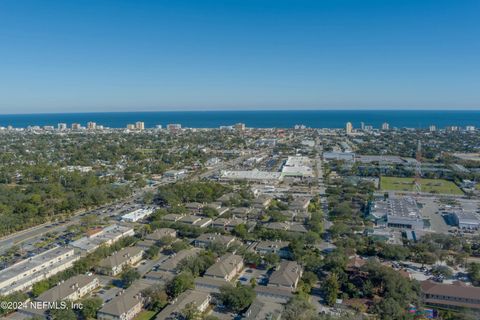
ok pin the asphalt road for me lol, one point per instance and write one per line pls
(32, 235)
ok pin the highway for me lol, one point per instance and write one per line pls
(29, 237)
(34, 234)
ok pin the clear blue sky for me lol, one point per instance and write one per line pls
(99, 55)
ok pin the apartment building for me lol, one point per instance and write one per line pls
(22, 275)
(115, 264)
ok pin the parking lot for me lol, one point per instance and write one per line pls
(260, 276)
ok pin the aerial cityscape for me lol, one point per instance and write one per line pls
(227, 160)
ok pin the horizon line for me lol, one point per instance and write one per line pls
(259, 109)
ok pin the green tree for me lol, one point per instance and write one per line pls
(179, 284)
(271, 259)
(152, 252)
(62, 314)
(129, 276)
(90, 306)
(191, 312)
(236, 298)
(155, 298)
(298, 308)
(332, 288)
(40, 287)
(474, 272)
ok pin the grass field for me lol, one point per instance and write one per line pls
(428, 185)
(145, 315)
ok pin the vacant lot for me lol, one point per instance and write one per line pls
(428, 185)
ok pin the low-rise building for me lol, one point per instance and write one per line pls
(200, 300)
(196, 221)
(116, 263)
(300, 204)
(125, 306)
(466, 220)
(171, 264)
(264, 177)
(226, 268)
(72, 289)
(262, 309)
(280, 248)
(106, 236)
(207, 239)
(450, 296)
(286, 276)
(161, 233)
(297, 166)
(137, 215)
(286, 226)
(22, 275)
(175, 174)
(403, 213)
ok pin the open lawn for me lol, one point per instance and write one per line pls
(145, 315)
(428, 185)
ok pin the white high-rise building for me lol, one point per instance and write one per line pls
(432, 128)
(349, 128)
(385, 126)
(62, 126)
(91, 125)
(140, 125)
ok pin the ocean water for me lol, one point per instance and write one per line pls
(256, 119)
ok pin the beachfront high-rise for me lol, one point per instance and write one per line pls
(91, 125)
(140, 125)
(349, 128)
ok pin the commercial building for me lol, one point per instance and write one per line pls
(263, 177)
(466, 220)
(106, 236)
(22, 275)
(297, 167)
(137, 215)
(344, 156)
(401, 213)
(450, 296)
(116, 263)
